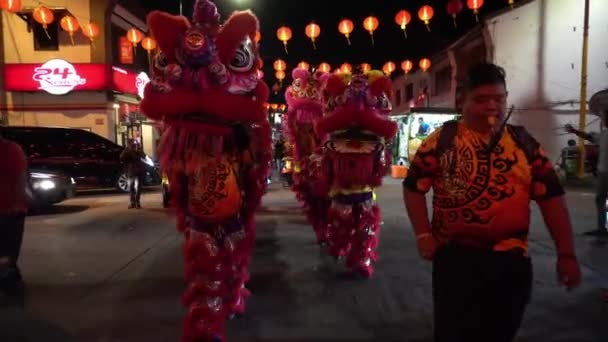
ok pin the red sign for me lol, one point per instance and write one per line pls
(56, 77)
(128, 82)
(59, 77)
(125, 49)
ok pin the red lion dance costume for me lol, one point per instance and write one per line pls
(215, 151)
(305, 106)
(355, 162)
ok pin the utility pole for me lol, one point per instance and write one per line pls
(582, 122)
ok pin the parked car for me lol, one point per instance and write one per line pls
(46, 188)
(93, 161)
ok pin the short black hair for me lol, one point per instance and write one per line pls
(483, 74)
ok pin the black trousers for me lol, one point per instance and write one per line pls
(11, 236)
(136, 182)
(479, 295)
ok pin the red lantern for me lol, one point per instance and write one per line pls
(70, 25)
(279, 65)
(475, 5)
(346, 68)
(91, 31)
(388, 68)
(258, 37)
(11, 6)
(403, 18)
(425, 64)
(149, 44)
(284, 35)
(366, 67)
(425, 13)
(324, 67)
(371, 24)
(453, 8)
(512, 3)
(44, 17)
(303, 65)
(312, 31)
(407, 66)
(346, 28)
(280, 75)
(134, 36)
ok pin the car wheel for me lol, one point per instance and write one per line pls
(122, 183)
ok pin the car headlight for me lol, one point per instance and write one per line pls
(44, 184)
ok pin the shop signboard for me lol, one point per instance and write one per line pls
(125, 48)
(60, 77)
(128, 82)
(55, 76)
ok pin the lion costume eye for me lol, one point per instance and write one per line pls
(243, 58)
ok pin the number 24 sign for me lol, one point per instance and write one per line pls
(57, 77)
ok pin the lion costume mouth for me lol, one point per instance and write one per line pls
(358, 104)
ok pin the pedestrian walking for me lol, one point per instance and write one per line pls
(601, 139)
(133, 159)
(13, 209)
(483, 174)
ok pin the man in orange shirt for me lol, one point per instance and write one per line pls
(13, 207)
(483, 174)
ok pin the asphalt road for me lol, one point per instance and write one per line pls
(98, 272)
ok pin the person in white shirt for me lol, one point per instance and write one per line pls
(601, 139)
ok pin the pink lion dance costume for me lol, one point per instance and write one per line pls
(305, 106)
(215, 150)
(355, 162)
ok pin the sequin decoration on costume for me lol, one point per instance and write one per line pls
(214, 192)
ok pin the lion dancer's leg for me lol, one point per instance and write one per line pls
(317, 212)
(364, 239)
(240, 246)
(206, 269)
(339, 228)
(216, 261)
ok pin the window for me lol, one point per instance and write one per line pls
(398, 97)
(46, 40)
(409, 92)
(443, 81)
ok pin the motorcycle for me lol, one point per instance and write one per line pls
(567, 164)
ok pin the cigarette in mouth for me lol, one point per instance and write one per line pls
(492, 120)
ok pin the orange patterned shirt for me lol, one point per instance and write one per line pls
(477, 196)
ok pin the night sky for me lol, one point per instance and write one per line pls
(332, 47)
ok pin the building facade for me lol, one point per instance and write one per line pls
(539, 44)
(50, 79)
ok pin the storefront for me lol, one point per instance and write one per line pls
(88, 96)
(415, 126)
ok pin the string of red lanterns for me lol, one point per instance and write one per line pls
(45, 16)
(371, 23)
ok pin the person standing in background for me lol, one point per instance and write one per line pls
(601, 195)
(133, 157)
(13, 209)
